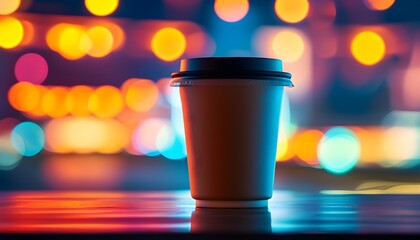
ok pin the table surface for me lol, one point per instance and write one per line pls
(174, 212)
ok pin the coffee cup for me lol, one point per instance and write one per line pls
(231, 109)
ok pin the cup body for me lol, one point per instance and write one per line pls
(231, 134)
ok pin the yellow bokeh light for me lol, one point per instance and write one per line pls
(106, 102)
(292, 11)
(399, 144)
(101, 7)
(54, 33)
(85, 135)
(368, 48)
(288, 46)
(141, 95)
(11, 32)
(77, 101)
(53, 102)
(73, 42)
(8, 6)
(379, 5)
(102, 41)
(24, 96)
(307, 145)
(168, 44)
(285, 147)
(231, 10)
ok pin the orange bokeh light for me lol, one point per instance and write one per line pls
(169, 44)
(77, 101)
(231, 10)
(369, 137)
(307, 144)
(106, 102)
(24, 96)
(29, 31)
(379, 5)
(292, 11)
(38, 112)
(141, 95)
(53, 102)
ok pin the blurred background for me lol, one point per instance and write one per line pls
(85, 101)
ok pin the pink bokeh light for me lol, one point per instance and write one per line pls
(31, 67)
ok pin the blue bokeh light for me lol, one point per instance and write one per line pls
(339, 150)
(28, 138)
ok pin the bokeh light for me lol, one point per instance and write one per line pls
(73, 42)
(168, 44)
(9, 157)
(165, 89)
(368, 137)
(379, 5)
(106, 102)
(231, 10)
(292, 11)
(102, 41)
(38, 112)
(54, 34)
(29, 33)
(118, 34)
(8, 6)
(53, 102)
(339, 150)
(282, 146)
(31, 67)
(307, 144)
(77, 101)
(177, 118)
(28, 138)
(145, 135)
(141, 95)
(288, 46)
(169, 144)
(101, 7)
(398, 145)
(368, 48)
(11, 31)
(24, 96)
(85, 135)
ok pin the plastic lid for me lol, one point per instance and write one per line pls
(231, 68)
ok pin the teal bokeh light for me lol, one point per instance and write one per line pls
(28, 139)
(339, 150)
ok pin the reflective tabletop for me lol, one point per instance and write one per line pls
(174, 212)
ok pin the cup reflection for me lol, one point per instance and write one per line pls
(251, 220)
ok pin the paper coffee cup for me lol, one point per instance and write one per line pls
(231, 109)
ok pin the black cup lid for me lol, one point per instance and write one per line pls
(233, 68)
